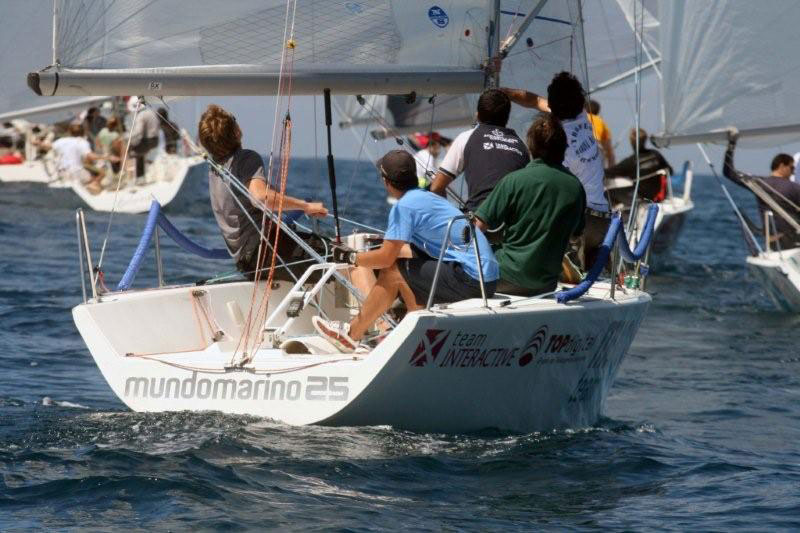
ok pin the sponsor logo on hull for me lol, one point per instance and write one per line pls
(445, 348)
(312, 388)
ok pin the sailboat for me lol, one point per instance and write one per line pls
(614, 63)
(163, 179)
(715, 78)
(516, 363)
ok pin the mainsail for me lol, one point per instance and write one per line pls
(551, 43)
(161, 47)
(23, 50)
(730, 63)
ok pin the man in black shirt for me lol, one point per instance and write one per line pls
(777, 185)
(652, 185)
(485, 153)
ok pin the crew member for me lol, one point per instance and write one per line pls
(567, 101)
(601, 132)
(408, 257)
(777, 185)
(485, 153)
(221, 136)
(540, 207)
(76, 159)
(144, 136)
(652, 186)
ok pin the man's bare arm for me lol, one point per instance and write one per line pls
(527, 99)
(440, 183)
(260, 191)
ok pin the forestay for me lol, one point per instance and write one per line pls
(729, 64)
(159, 47)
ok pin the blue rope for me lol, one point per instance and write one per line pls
(156, 218)
(614, 231)
(136, 261)
(187, 244)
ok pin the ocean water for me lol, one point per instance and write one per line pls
(701, 430)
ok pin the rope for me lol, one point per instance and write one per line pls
(116, 192)
(615, 231)
(747, 231)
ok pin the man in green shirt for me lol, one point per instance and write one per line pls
(539, 207)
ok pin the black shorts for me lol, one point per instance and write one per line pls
(453, 285)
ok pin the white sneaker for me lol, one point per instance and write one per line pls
(335, 332)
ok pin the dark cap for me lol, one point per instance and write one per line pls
(398, 167)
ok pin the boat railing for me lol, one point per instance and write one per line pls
(614, 241)
(770, 232)
(155, 220)
(469, 237)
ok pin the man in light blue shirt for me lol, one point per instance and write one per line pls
(407, 259)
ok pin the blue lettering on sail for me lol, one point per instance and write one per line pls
(438, 16)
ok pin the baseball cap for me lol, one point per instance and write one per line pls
(398, 167)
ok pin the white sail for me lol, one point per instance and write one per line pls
(730, 64)
(612, 43)
(161, 47)
(553, 42)
(26, 44)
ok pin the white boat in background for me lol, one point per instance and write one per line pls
(704, 108)
(672, 212)
(522, 364)
(164, 179)
(779, 273)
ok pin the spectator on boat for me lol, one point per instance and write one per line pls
(221, 136)
(408, 257)
(652, 185)
(144, 136)
(106, 142)
(8, 154)
(92, 124)
(601, 133)
(171, 131)
(777, 186)
(428, 157)
(540, 207)
(76, 160)
(484, 153)
(567, 101)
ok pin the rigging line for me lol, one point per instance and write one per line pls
(727, 194)
(100, 17)
(355, 169)
(633, 219)
(111, 30)
(780, 195)
(243, 339)
(532, 48)
(116, 192)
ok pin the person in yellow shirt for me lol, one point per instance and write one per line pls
(601, 133)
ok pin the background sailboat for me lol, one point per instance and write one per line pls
(725, 66)
(23, 50)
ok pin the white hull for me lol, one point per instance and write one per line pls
(163, 181)
(779, 273)
(526, 365)
(37, 171)
(671, 216)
